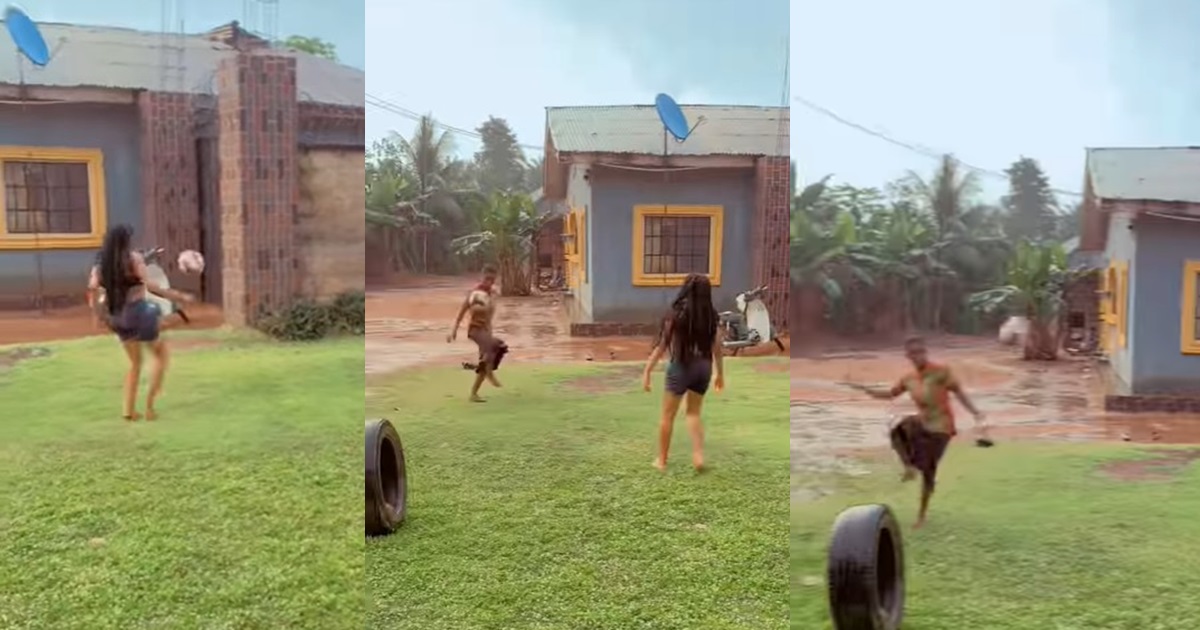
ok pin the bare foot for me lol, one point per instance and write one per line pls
(132, 416)
(919, 524)
(660, 464)
(492, 379)
(909, 474)
(476, 398)
(698, 465)
(151, 415)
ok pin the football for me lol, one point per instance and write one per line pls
(190, 261)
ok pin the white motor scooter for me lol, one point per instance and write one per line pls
(750, 325)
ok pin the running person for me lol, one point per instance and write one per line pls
(480, 303)
(121, 272)
(921, 440)
(689, 333)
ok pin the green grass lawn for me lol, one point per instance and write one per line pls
(539, 509)
(239, 508)
(1026, 537)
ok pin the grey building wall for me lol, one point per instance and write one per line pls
(615, 192)
(579, 196)
(1123, 246)
(112, 128)
(1156, 283)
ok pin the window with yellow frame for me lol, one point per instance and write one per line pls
(1189, 339)
(669, 242)
(53, 198)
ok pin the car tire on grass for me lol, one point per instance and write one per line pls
(866, 570)
(387, 478)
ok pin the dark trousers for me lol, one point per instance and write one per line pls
(491, 349)
(919, 448)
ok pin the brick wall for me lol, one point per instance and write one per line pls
(170, 208)
(771, 229)
(257, 113)
(331, 224)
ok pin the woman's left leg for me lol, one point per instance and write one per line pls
(670, 408)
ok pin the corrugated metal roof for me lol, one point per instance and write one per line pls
(109, 57)
(1145, 174)
(726, 130)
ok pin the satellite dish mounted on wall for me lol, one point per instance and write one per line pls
(26, 35)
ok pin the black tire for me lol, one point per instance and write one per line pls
(387, 479)
(866, 570)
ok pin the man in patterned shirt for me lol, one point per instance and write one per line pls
(920, 440)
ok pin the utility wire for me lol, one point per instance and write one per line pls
(388, 106)
(915, 148)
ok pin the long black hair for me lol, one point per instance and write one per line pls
(691, 326)
(115, 266)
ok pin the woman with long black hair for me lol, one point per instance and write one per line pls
(121, 272)
(689, 333)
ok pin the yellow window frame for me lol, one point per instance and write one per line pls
(94, 158)
(716, 241)
(581, 243)
(1121, 308)
(1188, 342)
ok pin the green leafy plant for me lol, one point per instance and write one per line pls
(308, 320)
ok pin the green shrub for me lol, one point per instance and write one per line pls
(308, 320)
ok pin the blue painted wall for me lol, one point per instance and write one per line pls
(112, 128)
(614, 193)
(1156, 288)
(1122, 246)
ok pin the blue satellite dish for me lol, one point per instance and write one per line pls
(26, 36)
(672, 117)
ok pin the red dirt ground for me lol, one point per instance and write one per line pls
(1061, 400)
(19, 327)
(407, 324)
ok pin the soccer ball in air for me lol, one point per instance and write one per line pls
(190, 261)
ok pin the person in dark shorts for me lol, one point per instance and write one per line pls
(480, 303)
(690, 335)
(920, 440)
(121, 272)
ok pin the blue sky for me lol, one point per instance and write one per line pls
(336, 22)
(463, 60)
(1041, 78)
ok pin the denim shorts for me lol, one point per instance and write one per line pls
(692, 376)
(137, 321)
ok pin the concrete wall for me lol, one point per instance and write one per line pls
(614, 193)
(111, 128)
(1156, 283)
(331, 226)
(1123, 246)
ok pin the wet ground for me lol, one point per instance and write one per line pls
(1023, 400)
(407, 326)
(20, 327)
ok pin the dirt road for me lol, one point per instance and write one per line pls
(1023, 401)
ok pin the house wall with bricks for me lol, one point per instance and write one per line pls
(222, 174)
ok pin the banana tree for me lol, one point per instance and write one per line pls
(1036, 281)
(508, 227)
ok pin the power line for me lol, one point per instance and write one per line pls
(915, 148)
(388, 106)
